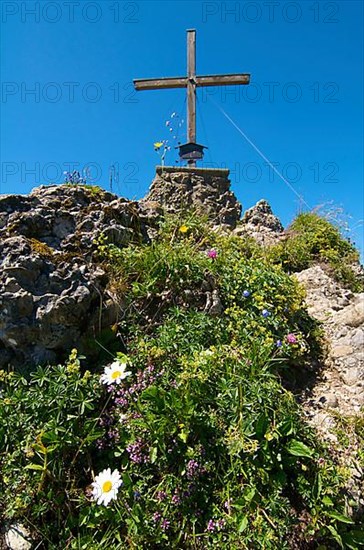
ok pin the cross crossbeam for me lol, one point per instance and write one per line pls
(191, 82)
(181, 81)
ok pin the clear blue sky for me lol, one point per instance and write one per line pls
(303, 110)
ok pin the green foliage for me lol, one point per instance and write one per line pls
(212, 450)
(313, 239)
(47, 425)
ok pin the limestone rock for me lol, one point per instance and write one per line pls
(340, 390)
(206, 190)
(325, 296)
(353, 315)
(341, 351)
(52, 295)
(17, 537)
(260, 223)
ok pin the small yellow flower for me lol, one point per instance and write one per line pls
(158, 145)
(183, 229)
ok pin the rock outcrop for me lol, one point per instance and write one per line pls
(342, 315)
(260, 223)
(338, 394)
(207, 191)
(52, 296)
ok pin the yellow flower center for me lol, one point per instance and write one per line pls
(115, 374)
(107, 486)
(183, 229)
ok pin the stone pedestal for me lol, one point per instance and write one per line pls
(206, 190)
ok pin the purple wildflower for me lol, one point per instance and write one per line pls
(227, 505)
(279, 343)
(246, 293)
(266, 313)
(215, 525)
(192, 469)
(157, 516)
(176, 499)
(161, 495)
(211, 526)
(165, 524)
(138, 452)
(212, 253)
(291, 338)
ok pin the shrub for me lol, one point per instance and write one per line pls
(312, 238)
(47, 425)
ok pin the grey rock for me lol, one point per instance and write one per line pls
(261, 224)
(17, 537)
(357, 339)
(353, 315)
(341, 351)
(261, 215)
(331, 400)
(352, 376)
(52, 295)
(216, 305)
(205, 190)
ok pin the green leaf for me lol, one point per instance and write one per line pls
(127, 481)
(317, 487)
(339, 517)
(327, 501)
(261, 426)
(297, 448)
(335, 535)
(354, 539)
(249, 494)
(285, 427)
(183, 435)
(34, 467)
(153, 454)
(242, 524)
(153, 393)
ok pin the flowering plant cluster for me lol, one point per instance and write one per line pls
(187, 439)
(74, 178)
(173, 126)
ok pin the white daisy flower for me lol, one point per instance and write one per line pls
(105, 487)
(114, 373)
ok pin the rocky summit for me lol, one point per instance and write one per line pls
(53, 293)
(260, 223)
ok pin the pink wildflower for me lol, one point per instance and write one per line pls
(212, 253)
(291, 338)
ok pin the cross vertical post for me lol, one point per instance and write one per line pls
(191, 86)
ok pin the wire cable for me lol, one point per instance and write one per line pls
(261, 154)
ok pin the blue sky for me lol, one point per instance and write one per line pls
(67, 97)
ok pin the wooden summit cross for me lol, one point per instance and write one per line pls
(191, 151)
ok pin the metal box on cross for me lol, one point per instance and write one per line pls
(191, 151)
